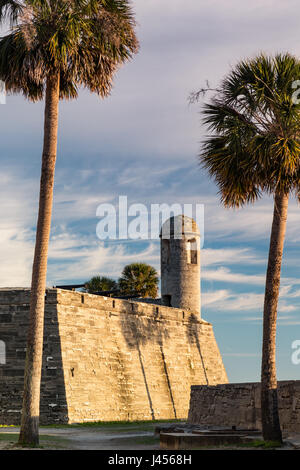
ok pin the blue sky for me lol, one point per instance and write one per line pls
(143, 142)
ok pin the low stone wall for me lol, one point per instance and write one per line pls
(106, 359)
(239, 405)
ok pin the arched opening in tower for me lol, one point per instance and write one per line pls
(192, 251)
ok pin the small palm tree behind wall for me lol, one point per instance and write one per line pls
(100, 284)
(139, 279)
(53, 48)
(254, 148)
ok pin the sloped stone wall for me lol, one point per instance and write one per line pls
(107, 359)
(14, 311)
(239, 405)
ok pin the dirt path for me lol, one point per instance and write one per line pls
(90, 438)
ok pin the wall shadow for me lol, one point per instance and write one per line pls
(13, 331)
(168, 381)
(138, 331)
(193, 333)
(54, 406)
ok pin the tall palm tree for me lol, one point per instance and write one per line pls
(254, 147)
(53, 48)
(139, 279)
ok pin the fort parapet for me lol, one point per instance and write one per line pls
(106, 359)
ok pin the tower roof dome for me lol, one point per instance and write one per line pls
(179, 226)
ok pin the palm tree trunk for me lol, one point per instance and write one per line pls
(269, 399)
(29, 433)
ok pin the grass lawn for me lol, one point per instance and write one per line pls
(9, 440)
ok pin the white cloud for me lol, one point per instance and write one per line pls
(215, 297)
(282, 320)
(72, 255)
(16, 254)
(79, 258)
(226, 275)
(252, 222)
(230, 256)
(228, 301)
(291, 295)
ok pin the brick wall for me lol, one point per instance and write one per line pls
(107, 359)
(239, 405)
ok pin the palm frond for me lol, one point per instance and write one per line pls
(254, 125)
(84, 40)
(10, 10)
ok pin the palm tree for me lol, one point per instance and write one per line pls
(139, 279)
(100, 283)
(53, 48)
(254, 148)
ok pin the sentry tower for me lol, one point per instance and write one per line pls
(180, 264)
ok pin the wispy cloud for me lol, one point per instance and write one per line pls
(230, 256)
(80, 258)
(226, 275)
(229, 301)
(282, 320)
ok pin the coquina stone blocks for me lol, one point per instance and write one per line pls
(107, 359)
(239, 405)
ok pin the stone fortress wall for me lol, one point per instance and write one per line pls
(239, 405)
(106, 359)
